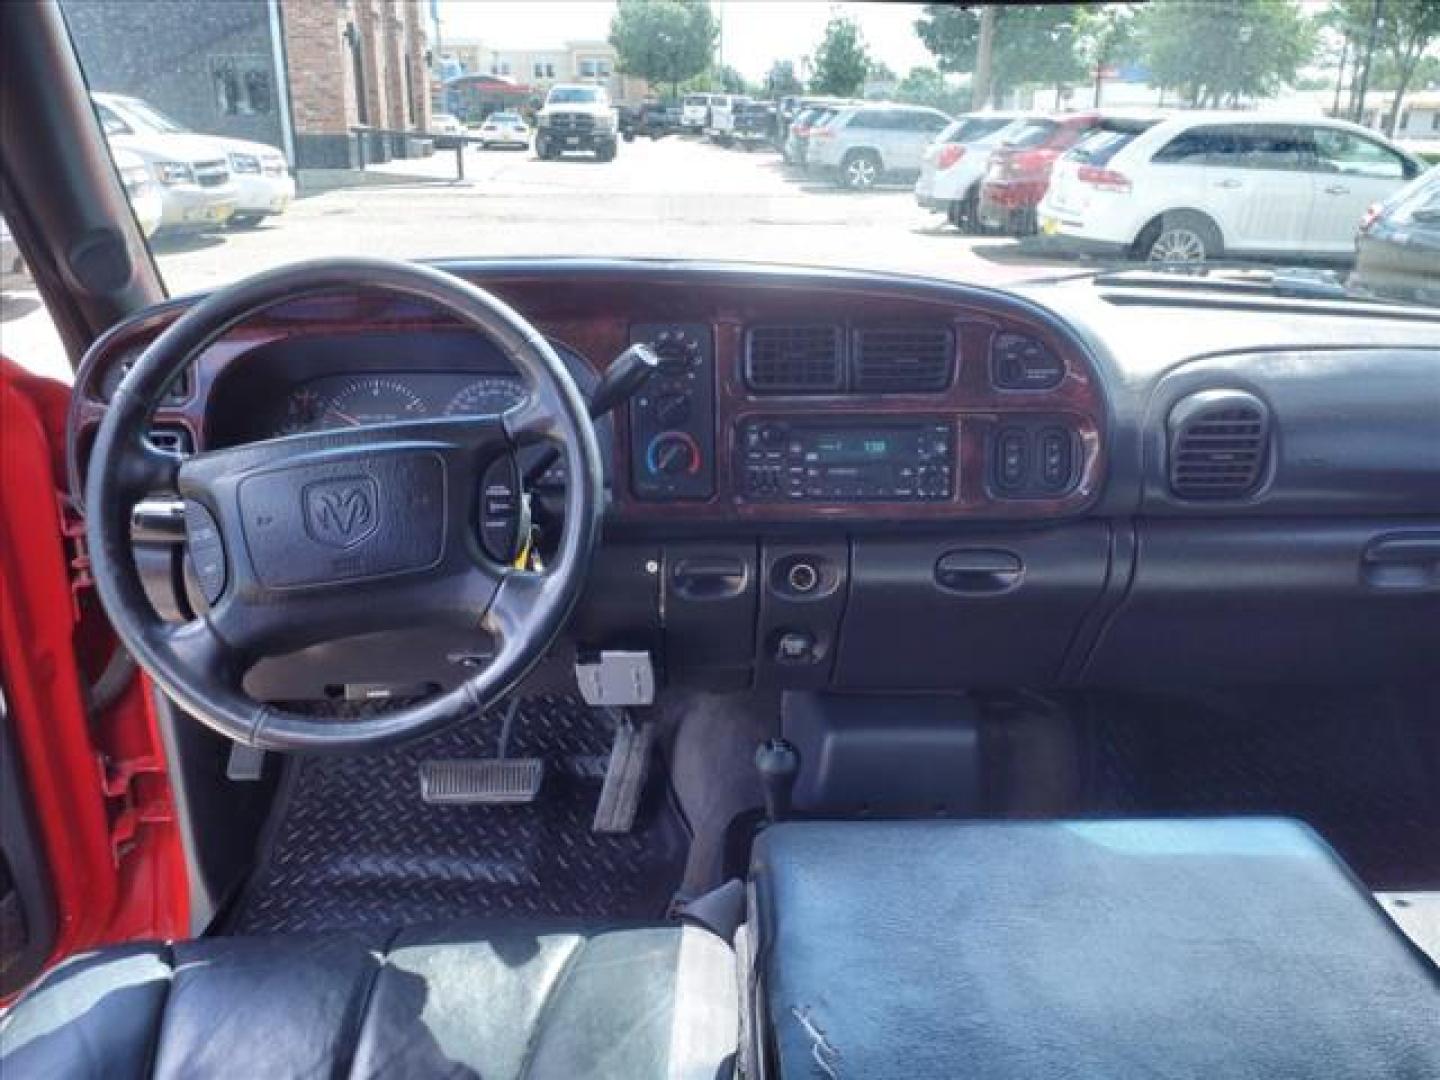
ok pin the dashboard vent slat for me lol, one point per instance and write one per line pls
(799, 359)
(902, 359)
(1218, 444)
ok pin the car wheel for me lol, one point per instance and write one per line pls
(860, 171)
(542, 149)
(606, 152)
(1179, 238)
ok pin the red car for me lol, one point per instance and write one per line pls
(1019, 171)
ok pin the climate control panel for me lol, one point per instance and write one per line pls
(672, 418)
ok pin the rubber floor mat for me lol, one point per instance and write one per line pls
(1354, 765)
(354, 845)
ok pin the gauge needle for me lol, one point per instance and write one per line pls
(344, 416)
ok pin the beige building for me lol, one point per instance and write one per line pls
(542, 68)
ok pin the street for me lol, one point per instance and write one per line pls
(674, 197)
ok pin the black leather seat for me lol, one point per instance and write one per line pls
(462, 1001)
(1116, 950)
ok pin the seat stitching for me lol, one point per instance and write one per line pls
(168, 951)
(532, 1044)
(347, 1068)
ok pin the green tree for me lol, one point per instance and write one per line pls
(730, 81)
(926, 86)
(664, 41)
(1105, 36)
(841, 61)
(1034, 43)
(1217, 52)
(1404, 37)
(781, 80)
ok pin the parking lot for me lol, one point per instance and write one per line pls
(673, 197)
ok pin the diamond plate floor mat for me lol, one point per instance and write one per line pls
(353, 845)
(1354, 765)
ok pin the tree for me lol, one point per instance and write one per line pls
(730, 81)
(841, 61)
(1105, 36)
(926, 86)
(1403, 35)
(664, 41)
(1033, 43)
(1216, 52)
(781, 81)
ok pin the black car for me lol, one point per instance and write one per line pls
(1397, 252)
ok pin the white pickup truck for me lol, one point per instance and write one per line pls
(577, 118)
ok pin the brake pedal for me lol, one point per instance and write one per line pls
(625, 776)
(481, 781)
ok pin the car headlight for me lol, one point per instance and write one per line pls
(172, 172)
(244, 163)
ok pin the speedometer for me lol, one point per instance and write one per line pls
(372, 400)
(487, 395)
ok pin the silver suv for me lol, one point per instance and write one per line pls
(864, 144)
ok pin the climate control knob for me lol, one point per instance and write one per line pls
(672, 453)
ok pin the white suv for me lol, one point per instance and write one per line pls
(862, 145)
(1196, 186)
(954, 164)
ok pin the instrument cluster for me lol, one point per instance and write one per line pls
(338, 401)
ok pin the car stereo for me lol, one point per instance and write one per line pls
(852, 460)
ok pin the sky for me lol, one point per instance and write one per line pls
(755, 32)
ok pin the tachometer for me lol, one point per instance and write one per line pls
(372, 400)
(489, 394)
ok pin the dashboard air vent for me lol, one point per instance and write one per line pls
(172, 438)
(793, 359)
(1218, 440)
(902, 359)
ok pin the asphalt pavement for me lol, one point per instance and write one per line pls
(672, 198)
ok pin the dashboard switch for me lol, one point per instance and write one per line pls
(503, 518)
(206, 550)
(1055, 459)
(1013, 462)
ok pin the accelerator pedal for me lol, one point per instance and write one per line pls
(496, 781)
(625, 774)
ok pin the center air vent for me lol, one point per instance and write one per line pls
(1218, 440)
(172, 438)
(902, 359)
(793, 359)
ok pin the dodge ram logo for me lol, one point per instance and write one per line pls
(341, 513)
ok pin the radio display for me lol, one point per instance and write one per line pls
(845, 448)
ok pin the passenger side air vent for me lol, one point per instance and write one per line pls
(793, 359)
(1218, 440)
(172, 438)
(902, 359)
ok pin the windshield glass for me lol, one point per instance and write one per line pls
(149, 117)
(565, 95)
(1193, 148)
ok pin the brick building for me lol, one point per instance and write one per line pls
(298, 74)
(579, 61)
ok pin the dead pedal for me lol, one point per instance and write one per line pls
(481, 781)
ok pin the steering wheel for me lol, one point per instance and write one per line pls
(315, 536)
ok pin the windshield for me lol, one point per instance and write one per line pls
(568, 95)
(147, 116)
(1193, 148)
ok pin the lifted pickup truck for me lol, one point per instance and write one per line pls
(576, 118)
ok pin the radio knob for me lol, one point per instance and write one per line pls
(671, 453)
